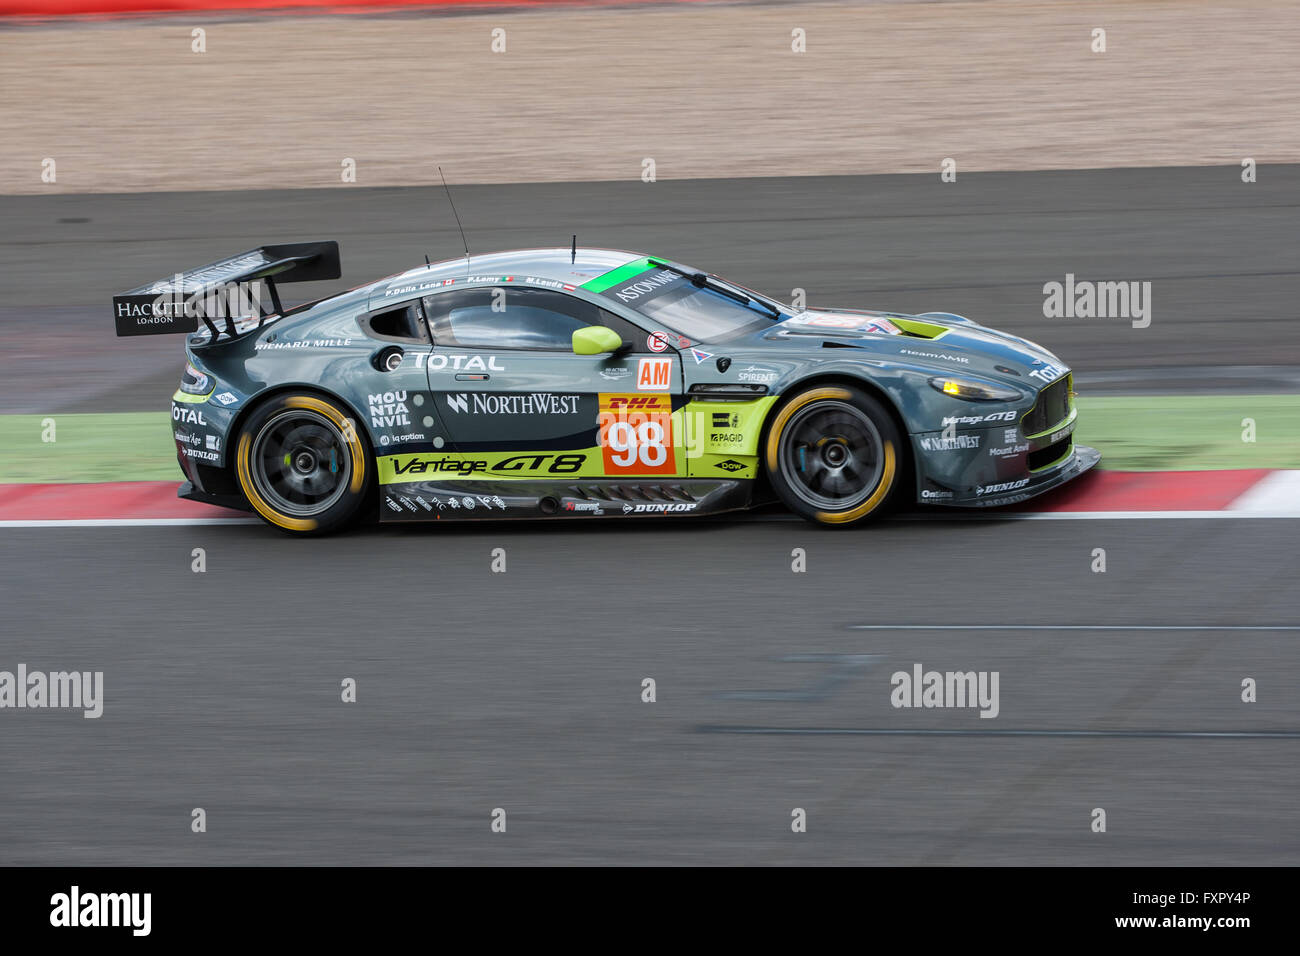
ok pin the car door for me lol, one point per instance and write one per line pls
(516, 401)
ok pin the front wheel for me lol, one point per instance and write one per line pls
(832, 455)
(302, 465)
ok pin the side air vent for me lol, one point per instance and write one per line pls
(632, 493)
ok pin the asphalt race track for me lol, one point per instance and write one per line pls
(522, 690)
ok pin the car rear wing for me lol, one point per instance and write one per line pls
(224, 291)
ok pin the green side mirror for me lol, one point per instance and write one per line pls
(595, 339)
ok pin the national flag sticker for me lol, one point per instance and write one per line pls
(700, 356)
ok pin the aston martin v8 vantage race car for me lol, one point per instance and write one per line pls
(585, 383)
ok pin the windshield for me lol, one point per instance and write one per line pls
(673, 300)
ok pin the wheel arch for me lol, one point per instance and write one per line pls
(837, 378)
(261, 398)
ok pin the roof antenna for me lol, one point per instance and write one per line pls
(573, 250)
(427, 262)
(457, 215)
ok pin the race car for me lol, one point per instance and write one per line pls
(587, 383)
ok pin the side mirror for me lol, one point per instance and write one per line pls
(596, 339)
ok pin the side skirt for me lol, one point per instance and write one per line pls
(445, 500)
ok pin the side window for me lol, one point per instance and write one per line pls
(522, 319)
(404, 323)
(507, 317)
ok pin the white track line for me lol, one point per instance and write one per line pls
(1096, 515)
(1074, 627)
(948, 516)
(936, 732)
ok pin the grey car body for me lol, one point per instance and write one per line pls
(473, 417)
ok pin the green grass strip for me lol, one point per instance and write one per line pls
(123, 446)
(1191, 432)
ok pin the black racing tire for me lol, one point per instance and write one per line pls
(834, 455)
(303, 464)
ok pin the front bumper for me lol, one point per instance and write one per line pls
(1013, 492)
(1003, 462)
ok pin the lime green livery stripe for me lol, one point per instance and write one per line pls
(615, 276)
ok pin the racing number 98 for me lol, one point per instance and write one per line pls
(630, 443)
(636, 435)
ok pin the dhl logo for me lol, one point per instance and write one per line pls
(635, 403)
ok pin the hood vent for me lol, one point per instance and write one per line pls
(917, 329)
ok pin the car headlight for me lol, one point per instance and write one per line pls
(194, 382)
(974, 391)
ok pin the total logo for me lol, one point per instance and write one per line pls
(190, 416)
(1048, 373)
(442, 361)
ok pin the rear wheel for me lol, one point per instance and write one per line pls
(832, 454)
(302, 465)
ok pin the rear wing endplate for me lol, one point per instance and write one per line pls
(221, 292)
